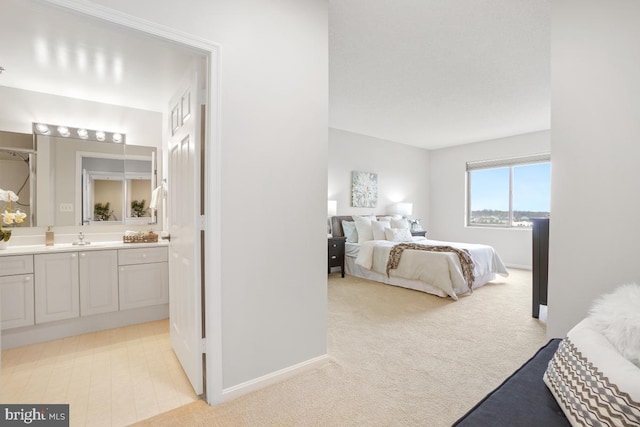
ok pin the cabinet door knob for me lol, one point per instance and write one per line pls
(333, 257)
(27, 278)
(73, 255)
(144, 255)
(83, 254)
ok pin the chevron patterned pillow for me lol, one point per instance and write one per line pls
(593, 383)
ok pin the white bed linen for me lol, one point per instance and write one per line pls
(439, 270)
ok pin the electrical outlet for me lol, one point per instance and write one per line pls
(66, 207)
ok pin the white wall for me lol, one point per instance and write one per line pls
(595, 201)
(403, 174)
(19, 108)
(274, 120)
(447, 175)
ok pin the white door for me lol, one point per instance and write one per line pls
(185, 297)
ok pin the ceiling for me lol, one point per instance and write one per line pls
(51, 50)
(436, 73)
(429, 73)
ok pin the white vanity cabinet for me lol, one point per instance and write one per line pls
(57, 294)
(16, 291)
(98, 273)
(143, 277)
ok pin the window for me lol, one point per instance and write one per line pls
(508, 192)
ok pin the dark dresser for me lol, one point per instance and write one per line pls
(336, 253)
(540, 273)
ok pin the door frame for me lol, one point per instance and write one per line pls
(212, 179)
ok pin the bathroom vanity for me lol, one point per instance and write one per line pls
(51, 292)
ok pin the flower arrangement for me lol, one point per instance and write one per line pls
(102, 211)
(137, 208)
(9, 217)
(415, 225)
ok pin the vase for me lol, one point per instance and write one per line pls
(4, 244)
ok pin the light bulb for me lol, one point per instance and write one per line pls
(42, 128)
(63, 131)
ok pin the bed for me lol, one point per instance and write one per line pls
(437, 273)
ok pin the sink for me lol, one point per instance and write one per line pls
(81, 243)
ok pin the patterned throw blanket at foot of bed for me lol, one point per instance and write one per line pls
(463, 256)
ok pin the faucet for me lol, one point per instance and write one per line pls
(80, 241)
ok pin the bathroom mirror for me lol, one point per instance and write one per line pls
(74, 182)
(17, 173)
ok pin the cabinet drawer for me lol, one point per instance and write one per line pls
(336, 247)
(16, 264)
(142, 256)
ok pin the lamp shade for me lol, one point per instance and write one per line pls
(404, 208)
(332, 207)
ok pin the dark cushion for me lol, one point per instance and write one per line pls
(521, 400)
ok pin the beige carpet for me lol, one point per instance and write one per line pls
(398, 358)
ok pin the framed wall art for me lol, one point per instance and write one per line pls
(364, 189)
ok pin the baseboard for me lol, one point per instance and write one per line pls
(272, 378)
(26, 335)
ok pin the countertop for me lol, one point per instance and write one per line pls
(68, 247)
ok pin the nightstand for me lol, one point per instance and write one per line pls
(422, 233)
(336, 253)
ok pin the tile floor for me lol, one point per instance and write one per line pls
(109, 378)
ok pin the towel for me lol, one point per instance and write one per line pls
(156, 196)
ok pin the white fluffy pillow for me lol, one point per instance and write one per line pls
(349, 230)
(389, 217)
(399, 223)
(617, 317)
(398, 234)
(363, 227)
(377, 227)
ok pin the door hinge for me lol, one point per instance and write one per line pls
(202, 223)
(203, 345)
(202, 96)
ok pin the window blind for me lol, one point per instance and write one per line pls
(511, 161)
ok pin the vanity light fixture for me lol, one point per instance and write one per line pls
(42, 128)
(82, 133)
(63, 131)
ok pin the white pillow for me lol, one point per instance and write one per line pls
(617, 316)
(377, 227)
(398, 234)
(587, 372)
(363, 227)
(399, 223)
(389, 217)
(349, 230)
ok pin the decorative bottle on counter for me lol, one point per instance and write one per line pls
(48, 237)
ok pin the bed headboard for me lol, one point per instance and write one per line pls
(336, 223)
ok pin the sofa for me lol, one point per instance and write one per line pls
(591, 377)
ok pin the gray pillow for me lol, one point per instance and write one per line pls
(349, 229)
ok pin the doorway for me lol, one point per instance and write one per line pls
(209, 52)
